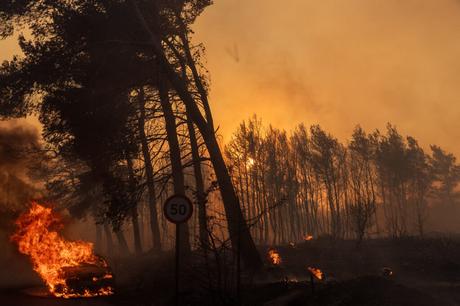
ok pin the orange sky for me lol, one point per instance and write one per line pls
(335, 62)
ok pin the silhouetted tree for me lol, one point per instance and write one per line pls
(446, 174)
(362, 182)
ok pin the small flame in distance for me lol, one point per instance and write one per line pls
(59, 262)
(308, 237)
(274, 257)
(316, 273)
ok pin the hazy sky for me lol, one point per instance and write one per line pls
(336, 63)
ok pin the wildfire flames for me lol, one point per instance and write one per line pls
(308, 237)
(69, 268)
(316, 273)
(274, 257)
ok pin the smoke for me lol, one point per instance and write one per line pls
(19, 154)
(337, 63)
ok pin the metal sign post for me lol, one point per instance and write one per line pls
(177, 209)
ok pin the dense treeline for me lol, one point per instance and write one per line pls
(122, 95)
(308, 183)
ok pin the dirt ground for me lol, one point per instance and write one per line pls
(424, 272)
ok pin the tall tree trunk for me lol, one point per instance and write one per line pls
(122, 244)
(236, 224)
(108, 236)
(154, 224)
(134, 212)
(136, 230)
(175, 157)
(199, 185)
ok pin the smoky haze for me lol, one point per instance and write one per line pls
(18, 144)
(333, 63)
(337, 63)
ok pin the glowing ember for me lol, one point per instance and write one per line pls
(316, 273)
(69, 268)
(387, 271)
(308, 237)
(274, 257)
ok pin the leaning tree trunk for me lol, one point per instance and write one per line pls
(154, 224)
(175, 156)
(199, 184)
(238, 229)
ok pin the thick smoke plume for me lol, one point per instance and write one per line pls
(19, 156)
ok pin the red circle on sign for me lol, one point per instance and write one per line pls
(181, 212)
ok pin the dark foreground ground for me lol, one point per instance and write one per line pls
(425, 272)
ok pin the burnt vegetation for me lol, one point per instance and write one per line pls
(121, 92)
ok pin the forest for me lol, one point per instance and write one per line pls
(378, 185)
(121, 92)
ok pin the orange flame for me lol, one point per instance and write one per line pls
(52, 255)
(316, 273)
(308, 237)
(274, 256)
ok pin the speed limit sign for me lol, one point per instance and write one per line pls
(178, 209)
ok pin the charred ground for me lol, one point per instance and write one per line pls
(424, 272)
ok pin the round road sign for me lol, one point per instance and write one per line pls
(178, 209)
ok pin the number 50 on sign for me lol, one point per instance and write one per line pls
(178, 209)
